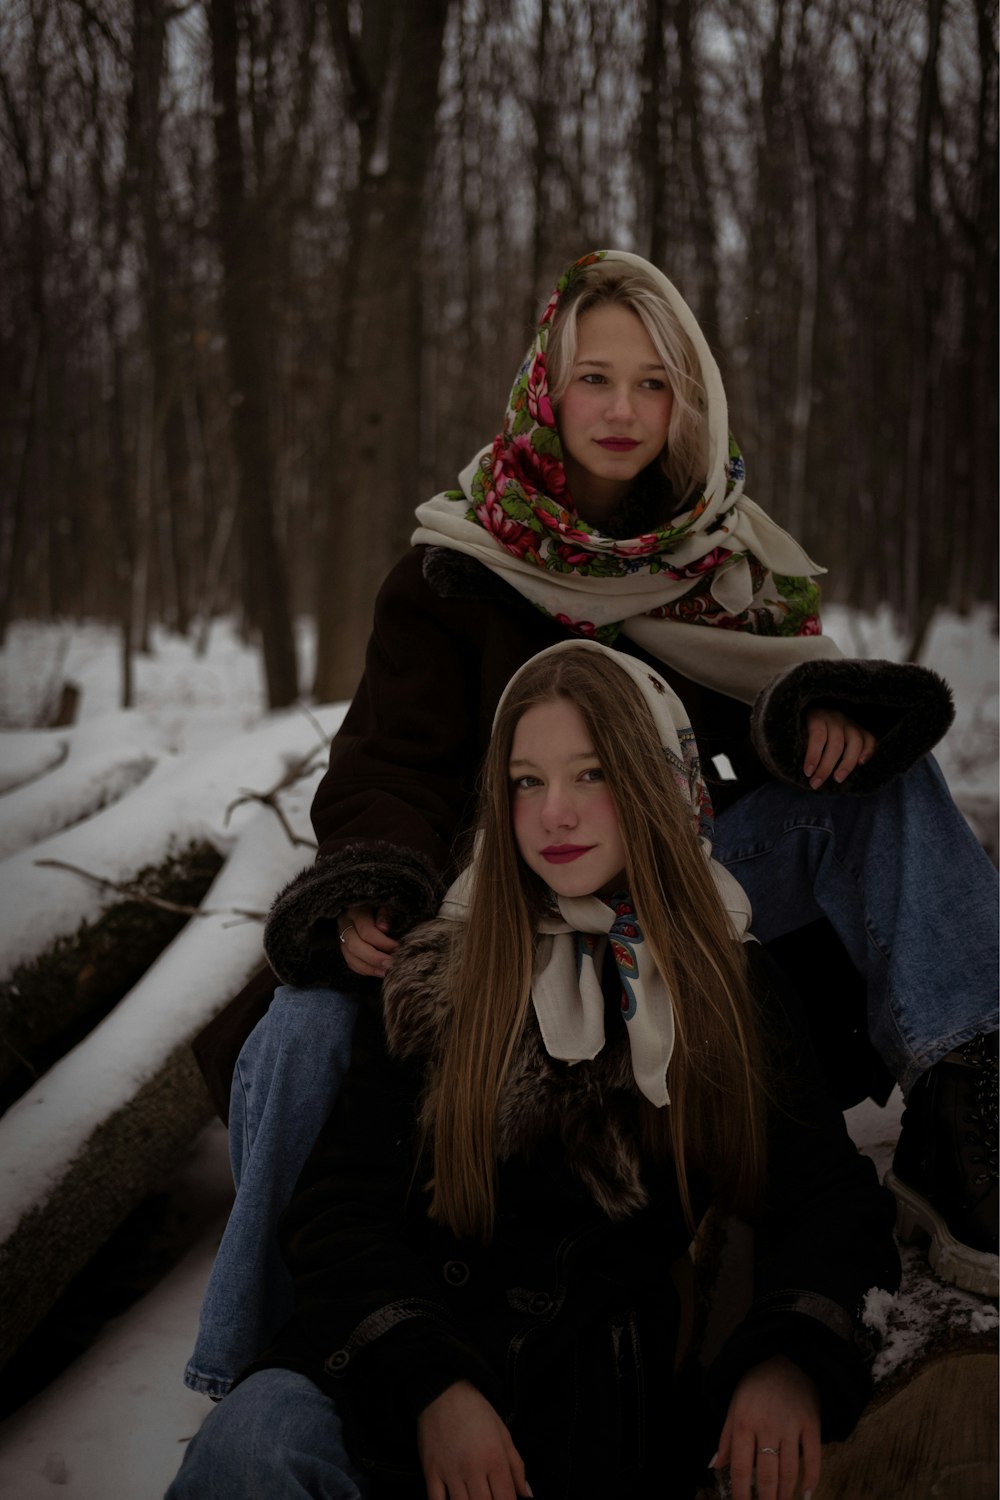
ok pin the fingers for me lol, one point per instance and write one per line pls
(767, 1470)
(466, 1450)
(835, 745)
(811, 1455)
(772, 1429)
(365, 941)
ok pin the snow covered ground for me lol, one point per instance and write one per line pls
(114, 1424)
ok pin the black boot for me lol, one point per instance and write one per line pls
(944, 1172)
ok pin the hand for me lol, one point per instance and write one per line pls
(775, 1405)
(365, 941)
(834, 741)
(466, 1451)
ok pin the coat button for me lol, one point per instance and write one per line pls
(456, 1272)
(540, 1304)
(337, 1363)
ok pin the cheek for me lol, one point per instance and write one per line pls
(569, 418)
(608, 817)
(520, 817)
(666, 413)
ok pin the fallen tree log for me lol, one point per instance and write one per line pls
(49, 1004)
(104, 1126)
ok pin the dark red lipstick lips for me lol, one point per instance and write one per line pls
(562, 854)
(617, 445)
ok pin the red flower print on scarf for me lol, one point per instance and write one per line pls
(539, 404)
(810, 626)
(512, 535)
(579, 627)
(517, 462)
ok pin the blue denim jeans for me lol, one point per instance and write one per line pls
(284, 1085)
(905, 885)
(898, 875)
(276, 1437)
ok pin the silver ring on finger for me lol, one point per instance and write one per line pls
(773, 1451)
(346, 930)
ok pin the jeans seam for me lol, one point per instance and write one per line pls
(247, 1141)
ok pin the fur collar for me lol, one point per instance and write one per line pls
(592, 1107)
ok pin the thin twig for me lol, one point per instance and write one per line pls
(297, 771)
(136, 893)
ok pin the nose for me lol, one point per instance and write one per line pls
(620, 407)
(557, 810)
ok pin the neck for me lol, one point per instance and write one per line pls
(594, 500)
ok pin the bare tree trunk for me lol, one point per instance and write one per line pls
(541, 115)
(15, 549)
(379, 361)
(802, 404)
(242, 233)
(923, 294)
(651, 230)
(704, 292)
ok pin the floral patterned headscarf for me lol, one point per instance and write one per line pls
(722, 561)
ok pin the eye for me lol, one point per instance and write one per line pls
(592, 774)
(594, 377)
(523, 783)
(652, 384)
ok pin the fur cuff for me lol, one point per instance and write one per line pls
(301, 937)
(907, 708)
(455, 575)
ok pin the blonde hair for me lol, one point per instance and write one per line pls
(684, 459)
(714, 1122)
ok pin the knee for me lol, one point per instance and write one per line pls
(275, 1435)
(291, 1065)
(222, 1460)
(301, 1023)
(316, 1010)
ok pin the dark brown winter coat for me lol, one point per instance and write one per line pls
(568, 1322)
(396, 802)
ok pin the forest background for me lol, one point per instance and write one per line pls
(269, 266)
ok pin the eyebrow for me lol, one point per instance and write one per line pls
(577, 755)
(605, 364)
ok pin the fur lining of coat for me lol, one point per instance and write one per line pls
(592, 1107)
(908, 708)
(454, 575)
(301, 935)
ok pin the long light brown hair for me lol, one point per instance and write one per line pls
(684, 459)
(714, 1121)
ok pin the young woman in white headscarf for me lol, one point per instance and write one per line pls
(611, 506)
(584, 1052)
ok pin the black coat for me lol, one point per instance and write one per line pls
(568, 1322)
(393, 809)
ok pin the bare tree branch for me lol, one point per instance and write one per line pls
(136, 893)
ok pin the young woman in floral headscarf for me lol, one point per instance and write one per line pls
(611, 506)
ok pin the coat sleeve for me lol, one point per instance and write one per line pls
(823, 1237)
(400, 785)
(907, 707)
(372, 1325)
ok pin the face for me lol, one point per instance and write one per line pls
(613, 416)
(565, 823)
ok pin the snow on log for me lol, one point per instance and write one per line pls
(109, 894)
(27, 754)
(103, 1127)
(174, 807)
(97, 764)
